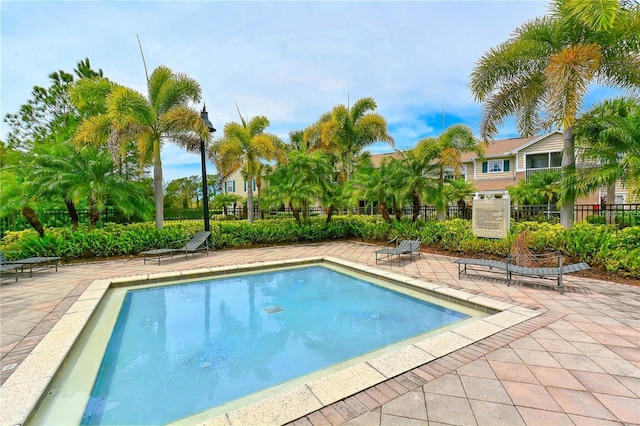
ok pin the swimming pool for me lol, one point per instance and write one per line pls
(67, 395)
(206, 343)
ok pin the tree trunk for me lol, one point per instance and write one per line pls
(398, 212)
(32, 218)
(158, 194)
(259, 187)
(568, 169)
(250, 198)
(611, 200)
(441, 206)
(384, 210)
(416, 206)
(330, 213)
(73, 213)
(296, 213)
(94, 214)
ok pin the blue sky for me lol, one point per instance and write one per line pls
(290, 61)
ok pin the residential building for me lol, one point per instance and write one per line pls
(236, 184)
(508, 161)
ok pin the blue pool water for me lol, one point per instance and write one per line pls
(181, 349)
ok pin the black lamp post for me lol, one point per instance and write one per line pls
(205, 190)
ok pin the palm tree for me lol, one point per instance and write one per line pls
(446, 151)
(459, 190)
(243, 147)
(543, 72)
(223, 200)
(418, 173)
(303, 178)
(20, 193)
(546, 184)
(608, 139)
(163, 115)
(346, 131)
(374, 184)
(88, 175)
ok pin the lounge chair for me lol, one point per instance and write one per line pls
(31, 262)
(510, 268)
(406, 247)
(199, 242)
(5, 267)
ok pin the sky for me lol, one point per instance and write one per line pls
(290, 61)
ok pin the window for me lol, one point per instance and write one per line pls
(495, 166)
(544, 161)
(230, 186)
(537, 161)
(254, 185)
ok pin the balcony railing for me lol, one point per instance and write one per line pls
(531, 172)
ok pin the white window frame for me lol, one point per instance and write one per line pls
(228, 186)
(492, 163)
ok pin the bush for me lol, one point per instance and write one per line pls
(616, 250)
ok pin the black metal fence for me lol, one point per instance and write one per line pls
(619, 214)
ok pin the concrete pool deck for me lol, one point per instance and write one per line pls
(578, 362)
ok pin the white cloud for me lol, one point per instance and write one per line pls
(290, 61)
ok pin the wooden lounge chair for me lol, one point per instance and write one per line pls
(199, 242)
(31, 262)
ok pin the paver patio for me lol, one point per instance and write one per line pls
(577, 363)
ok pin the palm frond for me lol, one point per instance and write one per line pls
(179, 90)
(361, 107)
(157, 80)
(596, 14)
(89, 94)
(127, 106)
(257, 125)
(372, 128)
(568, 76)
(94, 130)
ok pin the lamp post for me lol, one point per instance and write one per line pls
(205, 189)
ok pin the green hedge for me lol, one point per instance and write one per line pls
(616, 250)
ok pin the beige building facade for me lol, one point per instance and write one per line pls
(505, 163)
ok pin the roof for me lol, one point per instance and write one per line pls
(376, 159)
(496, 148)
(502, 147)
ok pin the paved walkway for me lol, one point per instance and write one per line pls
(577, 363)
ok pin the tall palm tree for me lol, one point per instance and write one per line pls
(163, 115)
(243, 147)
(543, 72)
(346, 131)
(608, 139)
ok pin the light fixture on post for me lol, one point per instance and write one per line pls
(204, 115)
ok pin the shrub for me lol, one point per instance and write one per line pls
(616, 250)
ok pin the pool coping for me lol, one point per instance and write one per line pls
(21, 393)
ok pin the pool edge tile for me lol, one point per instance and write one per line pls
(343, 383)
(400, 361)
(284, 407)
